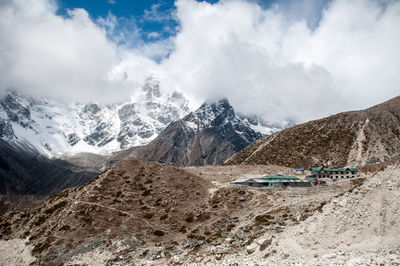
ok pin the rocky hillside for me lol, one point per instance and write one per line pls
(146, 213)
(346, 139)
(362, 220)
(26, 176)
(207, 136)
(134, 201)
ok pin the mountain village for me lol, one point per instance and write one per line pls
(318, 176)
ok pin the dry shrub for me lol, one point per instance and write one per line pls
(148, 215)
(189, 219)
(158, 233)
(56, 207)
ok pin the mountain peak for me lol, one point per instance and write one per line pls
(152, 88)
(206, 136)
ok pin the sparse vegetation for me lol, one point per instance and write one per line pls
(158, 233)
(39, 248)
(56, 207)
(230, 227)
(158, 202)
(146, 193)
(64, 228)
(189, 218)
(148, 215)
(40, 220)
(194, 236)
(264, 219)
(217, 234)
(5, 227)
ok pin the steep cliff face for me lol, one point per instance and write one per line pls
(207, 136)
(346, 139)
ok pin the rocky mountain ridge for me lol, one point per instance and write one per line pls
(347, 139)
(207, 136)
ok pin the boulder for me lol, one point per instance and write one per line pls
(251, 248)
(240, 234)
(175, 259)
(229, 240)
(264, 242)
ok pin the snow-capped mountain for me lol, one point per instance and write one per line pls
(207, 136)
(210, 114)
(56, 128)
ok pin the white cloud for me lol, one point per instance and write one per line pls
(48, 55)
(121, 31)
(154, 14)
(277, 62)
(233, 49)
(267, 62)
(153, 35)
(357, 42)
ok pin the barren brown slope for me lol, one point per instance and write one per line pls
(346, 139)
(135, 201)
(144, 213)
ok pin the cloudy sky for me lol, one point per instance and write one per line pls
(289, 59)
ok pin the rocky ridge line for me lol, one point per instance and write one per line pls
(346, 139)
